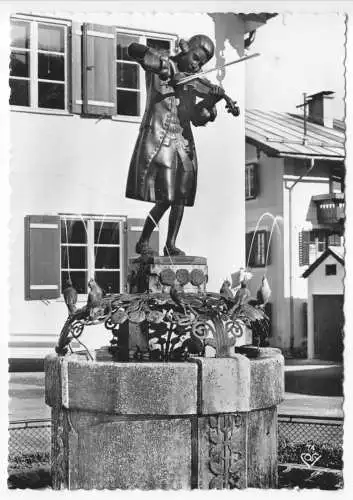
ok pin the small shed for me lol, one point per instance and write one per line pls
(325, 305)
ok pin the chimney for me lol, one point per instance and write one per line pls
(321, 108)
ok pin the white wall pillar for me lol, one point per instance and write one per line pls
(310, 342)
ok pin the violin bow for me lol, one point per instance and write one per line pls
(194, 76)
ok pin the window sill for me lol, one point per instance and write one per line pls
(128, 119)
(81, 299)
(62, 112)
(57, 112)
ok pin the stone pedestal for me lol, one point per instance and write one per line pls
(206, 423)
(157, 274)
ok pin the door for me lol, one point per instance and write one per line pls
(328, 327)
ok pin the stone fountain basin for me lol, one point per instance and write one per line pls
(205, 423)
(206, 385)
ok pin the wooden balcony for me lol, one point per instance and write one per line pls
(330, 208)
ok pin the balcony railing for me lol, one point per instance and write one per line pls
(330, 208)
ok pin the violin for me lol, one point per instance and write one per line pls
(205, 89)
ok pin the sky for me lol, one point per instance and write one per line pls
(300, 52)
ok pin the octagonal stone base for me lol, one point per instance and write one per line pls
(206, 423)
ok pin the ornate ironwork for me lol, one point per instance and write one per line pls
(173, 327)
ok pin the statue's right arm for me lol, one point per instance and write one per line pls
(151, 60)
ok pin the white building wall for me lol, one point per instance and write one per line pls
(273, 201)
(78, 165)
(319, 284)
(301, 196)
(266, 211)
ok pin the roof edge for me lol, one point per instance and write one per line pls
(320, 259)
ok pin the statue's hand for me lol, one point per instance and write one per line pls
(137, 50)
(217, 93)
(176, 79)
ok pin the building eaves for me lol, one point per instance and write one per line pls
(253, 21)
(282, 134)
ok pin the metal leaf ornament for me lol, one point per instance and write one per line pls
(119, 317)
(177, 324)
(137, 316)
(155, 317)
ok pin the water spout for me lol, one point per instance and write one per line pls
(274, 223)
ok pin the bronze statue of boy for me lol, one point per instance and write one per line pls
(163, 167)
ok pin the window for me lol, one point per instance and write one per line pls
(336, 184)
(76, 247)
(130, 91)
(318, 241)
(257, 249)
(335, 240)
(98, 79)
(330, 269)
(128, 78)
(92, 247)
(251, 181)
(313, 243)
(38, 65)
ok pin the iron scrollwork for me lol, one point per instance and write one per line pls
(174, 325)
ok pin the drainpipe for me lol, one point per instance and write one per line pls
(290, 223)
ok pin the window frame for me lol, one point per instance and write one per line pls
(330, 269)
(142, 35)
(253, 165)
(91, 247)
(318, 243)
(261, 261)
(252, 258)
(313, 240)
(34, 20)
(33, 50)
(335, 179)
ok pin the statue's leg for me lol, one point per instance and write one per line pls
(175, 218)
(153, 218)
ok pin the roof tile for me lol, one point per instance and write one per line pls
(283, 133)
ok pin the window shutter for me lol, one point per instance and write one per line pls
(99, 70)
(134, 230)
(76, 68)
(42, 257)
(304, 242)
(251, 181)
(256, 184)
(250, 259)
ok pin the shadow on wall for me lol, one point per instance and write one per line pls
(228, 28)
